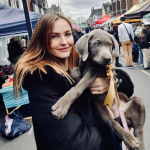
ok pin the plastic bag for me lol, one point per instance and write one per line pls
(14, 125)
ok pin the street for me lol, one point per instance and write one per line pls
(141, 80)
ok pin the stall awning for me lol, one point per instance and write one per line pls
(138, 14)
(83, 26)
(103, 19)
(13, 23)
(146, 19)
(134, 8)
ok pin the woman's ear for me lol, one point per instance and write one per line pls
(82, 46)
(115, 46)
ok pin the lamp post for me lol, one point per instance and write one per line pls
(27, 16)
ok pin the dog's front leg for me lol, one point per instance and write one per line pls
(131, 142)
(61, 107)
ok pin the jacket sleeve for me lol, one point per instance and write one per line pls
(67, 133)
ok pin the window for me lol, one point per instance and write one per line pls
(17, 4)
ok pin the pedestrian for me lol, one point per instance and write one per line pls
(135, 53)
(148, 33)
(88, 29)
(124, 32)
(145, 48)
(16, 52)
(137, 40)
(135, 27)
(114, 32)
(105, 28)
(44, 71)
(77, 35)
(9, 48)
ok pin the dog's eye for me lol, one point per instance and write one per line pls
(97, 44)
(110, 44)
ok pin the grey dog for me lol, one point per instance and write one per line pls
(95, 49)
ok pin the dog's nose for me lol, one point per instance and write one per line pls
(107, 60)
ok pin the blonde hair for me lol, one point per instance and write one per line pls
(38, 54)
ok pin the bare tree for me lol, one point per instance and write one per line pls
(80, 19)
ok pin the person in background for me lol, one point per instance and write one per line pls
(145, 48)
(148, 33)
(105, 28)
(114, 32)
(125, 41)
(9, 48)
(77, 34)
(135, 27)
(23, 43)
(135, 53)
(137, 40)
(16, 52)
(88, 29)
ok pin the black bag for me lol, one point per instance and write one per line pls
(14, 125)
(130, 37)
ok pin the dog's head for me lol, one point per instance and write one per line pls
(97, 46)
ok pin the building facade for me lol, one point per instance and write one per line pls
(96, 14)
(54, 8)
(39, 6)
(107, 9)
(121, 6)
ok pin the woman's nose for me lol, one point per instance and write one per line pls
(63, 40)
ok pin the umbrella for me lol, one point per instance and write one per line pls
(103, 19)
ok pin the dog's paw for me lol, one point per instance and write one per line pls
(131, 142)
(60, 109)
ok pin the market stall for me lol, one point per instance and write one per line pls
(138, 14)
(134, 8)
(103, 19)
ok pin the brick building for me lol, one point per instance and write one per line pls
(121, 6)
(107, 9)
(39, 6)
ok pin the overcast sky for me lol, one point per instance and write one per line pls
(77, 8)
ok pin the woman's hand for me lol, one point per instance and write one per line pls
(100, 86)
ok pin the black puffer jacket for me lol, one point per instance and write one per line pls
(78, 130)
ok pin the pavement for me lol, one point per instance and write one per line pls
(141, 80)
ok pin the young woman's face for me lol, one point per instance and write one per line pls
(62, 39)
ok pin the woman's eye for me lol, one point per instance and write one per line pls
(68, 34)
(54, 36)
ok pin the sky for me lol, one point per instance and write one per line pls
(77, 8)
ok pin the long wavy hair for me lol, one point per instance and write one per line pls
(144, 33)
(38, 53)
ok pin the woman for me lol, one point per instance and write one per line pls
(114, 32)
(43, 70)
(145, 48)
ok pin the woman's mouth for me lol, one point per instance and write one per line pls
(63, 49)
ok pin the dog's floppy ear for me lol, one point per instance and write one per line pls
(82, 46)
(115, 46)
